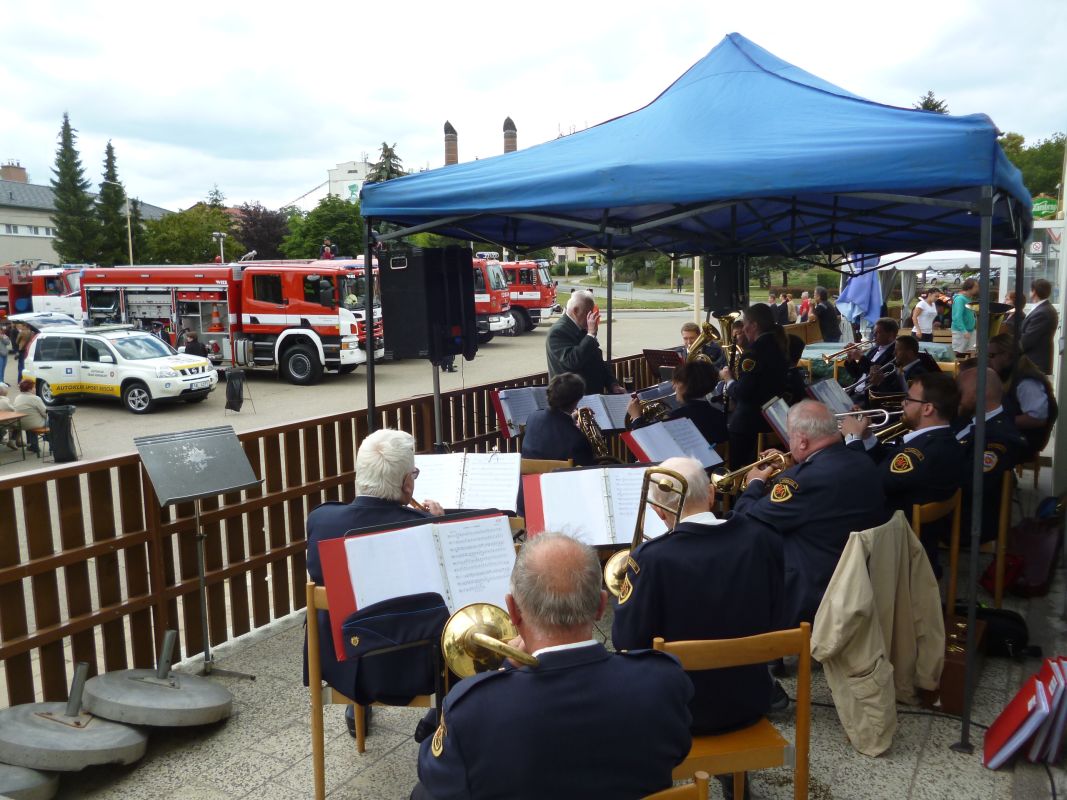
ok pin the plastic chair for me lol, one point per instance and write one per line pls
(320, 695)
(931, 512)
(697, 790)
(758, 746)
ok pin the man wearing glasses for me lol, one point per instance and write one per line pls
(924, 467)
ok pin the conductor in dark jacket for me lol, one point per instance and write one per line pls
(551, 433)
(1036, 338)
(583, 723)
(385, 483)
(572, 346)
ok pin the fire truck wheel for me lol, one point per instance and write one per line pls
(44, 391)
(137, 398)
(300, 365)
(344, 369)
(485, 338)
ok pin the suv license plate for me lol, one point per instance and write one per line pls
(197, 385)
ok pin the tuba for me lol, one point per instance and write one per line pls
(734, 482)
(591, 431)
(696, 349)
(473, 640)
(615, 567)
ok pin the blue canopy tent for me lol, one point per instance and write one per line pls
(743, 154)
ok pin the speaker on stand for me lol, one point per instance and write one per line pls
(726, 284)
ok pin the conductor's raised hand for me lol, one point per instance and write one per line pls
(592, 321)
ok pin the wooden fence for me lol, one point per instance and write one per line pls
(92, 569)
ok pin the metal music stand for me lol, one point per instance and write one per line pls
(189, 466)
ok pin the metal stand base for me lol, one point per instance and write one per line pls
(962, 747)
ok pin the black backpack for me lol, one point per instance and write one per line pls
(1006, 633)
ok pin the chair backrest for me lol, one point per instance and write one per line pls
(697, 790)
(805, 364)
(951, 367)
(539, 466)
(720, 653)
(929, 512)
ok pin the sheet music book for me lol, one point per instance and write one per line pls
(514, 406)
(469, 480)
(831, 393)
(661, 391)
(673, 437)
(1016, 723)
(606, 513)
(608, 409)
(1051, 677)
(775, 412)
(465, 561)
(1059, 721)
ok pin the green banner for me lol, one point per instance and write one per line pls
(1044, 207)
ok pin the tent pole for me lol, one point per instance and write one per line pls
(1020, 297)
(982, 333)
(368, 325)
(696, 289)
(611, 283)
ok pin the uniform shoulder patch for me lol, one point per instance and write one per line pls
(901, 464)
(748, 364)
(626, 590)
(781, 493)
(914, 451)
(631, 564)
(437, 745)
(989, 461)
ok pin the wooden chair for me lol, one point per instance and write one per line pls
(1034, 465)
(320, 695)
(931, 512)
(697, 790)
(539, 466)
(758, 746)
(805, 364)
(42, 438)
(1000, 547)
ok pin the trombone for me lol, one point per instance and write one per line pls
(734, 482)
(473, 640)
(832, 357)
(671, 482)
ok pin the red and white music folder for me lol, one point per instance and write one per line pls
(465, 561)
(1051, 677)
(514, 406)
(1016, 723)
(674, 437)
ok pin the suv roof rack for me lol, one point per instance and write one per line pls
(110, 327)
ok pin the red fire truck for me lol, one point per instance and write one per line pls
(44, 287)
(533, 292)
(302, 317)
(492, 306)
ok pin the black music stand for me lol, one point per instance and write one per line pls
(189, 466)
(658, 360)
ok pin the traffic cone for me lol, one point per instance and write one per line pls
(216, 320)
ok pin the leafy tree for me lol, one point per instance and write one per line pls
(261, 229)
(137, 231)
(333, 217)
(185, 237)
(387, 167)
(215, 198)
(113, 245)
(1041, 163)
(76, 225)
(930, 103)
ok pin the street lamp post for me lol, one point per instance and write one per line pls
(220, 237)
(129, 228)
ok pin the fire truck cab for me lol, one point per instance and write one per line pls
(533, 292)
(492, 305)
(58, 289)
(302, 317)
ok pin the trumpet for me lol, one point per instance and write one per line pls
(671, 482)
(882, 414)
(832, 357)
(734, 482)
(473, 640)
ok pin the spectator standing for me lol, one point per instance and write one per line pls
(963, 319)
(678, 284)
(828, 316)
(5, 351)
(790, 309)
(22, 344)
(1039, 327)
(328, 250)
(805, 307)
(922, 317)
(193, 345)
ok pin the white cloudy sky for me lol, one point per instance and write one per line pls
(262, 98)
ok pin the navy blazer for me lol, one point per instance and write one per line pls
(584, 723)
(925, 470)
(552, 434)
(761, 375)
(815, 505)
(1004, 447)
(721, 581)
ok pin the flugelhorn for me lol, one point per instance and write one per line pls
(474, 640)
(733, 482)
(671, 482)
(832, 357)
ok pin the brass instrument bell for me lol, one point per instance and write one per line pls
(696, 349)
(474, 640)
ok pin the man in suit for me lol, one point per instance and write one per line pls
(828, 315)
(924, 467)
(867, 367)
(814, 505)
(1036, 337)
(572, 346)
(908, 364)
(385, 485)
(567, 728)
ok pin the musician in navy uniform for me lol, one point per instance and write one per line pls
(713, 350)
(552, 433)
(733, 566)
(814, 505)
(909, 366)
(761, 375)
(693, 383)
(385, 484)
(924, 467)
(1028, 396)
(862, 366)
(583, 723)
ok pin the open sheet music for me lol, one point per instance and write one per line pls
(661, 391)
(776, 411)
(469, 480)
(608, 409)
(597, 506)
(673, 437)
(831, 393)
(514, 406)
(465, 561)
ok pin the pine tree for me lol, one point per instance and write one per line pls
(111, 214)
(930, 103)
(140, 241)
(387, 167)
(75, 223)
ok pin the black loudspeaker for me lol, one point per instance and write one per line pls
(428, 303)
(725, 284)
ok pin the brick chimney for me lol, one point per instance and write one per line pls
(511, 138)
(451, 144)
(13, 171)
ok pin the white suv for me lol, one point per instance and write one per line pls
(115, 361)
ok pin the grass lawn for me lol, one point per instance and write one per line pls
(618, 303)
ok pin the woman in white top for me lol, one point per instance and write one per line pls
(922, 318)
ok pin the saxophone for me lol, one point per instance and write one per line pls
(591, 431)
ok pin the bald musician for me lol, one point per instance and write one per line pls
(583, 723)
(814, 505)
(732, 566)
